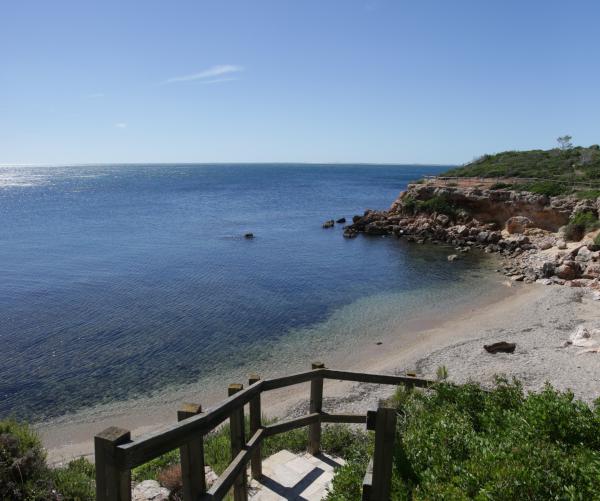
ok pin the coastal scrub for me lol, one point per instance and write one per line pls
(462, 442)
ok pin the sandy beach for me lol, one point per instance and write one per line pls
(538, 318)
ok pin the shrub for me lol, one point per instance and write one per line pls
(500, 186)
(597, 239)
(439, 204)
(548, 188)
(461, 442)
(588, 194)
(580, 224)
(23, 470)
(75, 482)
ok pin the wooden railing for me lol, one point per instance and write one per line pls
(116, 453)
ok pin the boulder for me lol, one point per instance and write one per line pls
(583, 255)
(452, 257)
(501, 347)
(518, 224)
(568, 270)
(442, 219)
(548, 269)
(545, 243)
(150, 490)
(462, 230)
(592, 270)
(341, 220)
(329, 224)
(249, 235)
(561, 244)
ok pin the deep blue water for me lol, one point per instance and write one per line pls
(119, 279)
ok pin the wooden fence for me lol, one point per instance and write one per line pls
(117, 453)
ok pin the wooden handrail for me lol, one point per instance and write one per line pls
(117, 454)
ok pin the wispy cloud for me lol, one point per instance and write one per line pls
(208, 75)
(120, 125)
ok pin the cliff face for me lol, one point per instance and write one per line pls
(498, 206)
(519, 225)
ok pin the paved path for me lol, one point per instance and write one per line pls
(288, 476)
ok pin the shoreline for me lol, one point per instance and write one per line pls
(72, 435)
(538, 318)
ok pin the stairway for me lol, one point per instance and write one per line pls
(288, 476)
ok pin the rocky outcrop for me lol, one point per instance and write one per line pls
(497, 206)
(517, 225)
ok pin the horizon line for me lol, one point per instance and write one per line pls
(114, 164)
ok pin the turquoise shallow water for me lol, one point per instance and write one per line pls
(119, 280)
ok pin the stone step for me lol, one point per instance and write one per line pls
(289, 476)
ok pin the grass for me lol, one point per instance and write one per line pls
(461, 442)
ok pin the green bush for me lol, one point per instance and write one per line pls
(588, 194)
(437, 203)
(24, 474)
(500, 186)
(461, 442)
(548, 188)
(75, 482)
(580, 224)
(23, 471)
(597, 239)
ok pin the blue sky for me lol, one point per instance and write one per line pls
(300, 81)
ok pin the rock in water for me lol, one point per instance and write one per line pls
(150, 490)
(501, 347)
(249, 235)
(329, 224)
(452, 257)
(341, 220)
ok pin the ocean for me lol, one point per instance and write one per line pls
(119, 281)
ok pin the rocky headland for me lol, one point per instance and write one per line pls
(535, 233)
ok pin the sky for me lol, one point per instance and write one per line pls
(375, 81)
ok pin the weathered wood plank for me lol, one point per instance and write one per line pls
(174, 436)
(238, 442)
(222, 485)
(383, 456)
(255, 425)
(292, 379)
(113, 483)
(291, 424)
(360, 377)
(343, 418)
(192, 458)
(316, 406)
(367, 482)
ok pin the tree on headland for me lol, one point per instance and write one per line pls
(564, 142)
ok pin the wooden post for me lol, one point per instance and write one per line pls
(383, 421)
(316, 405)
(255, 425)
(192, 458)
(238, 441)
(112, 483)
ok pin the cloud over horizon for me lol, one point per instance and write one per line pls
(209, 75)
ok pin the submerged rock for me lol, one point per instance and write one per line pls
(329, 224)
(249, 235)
